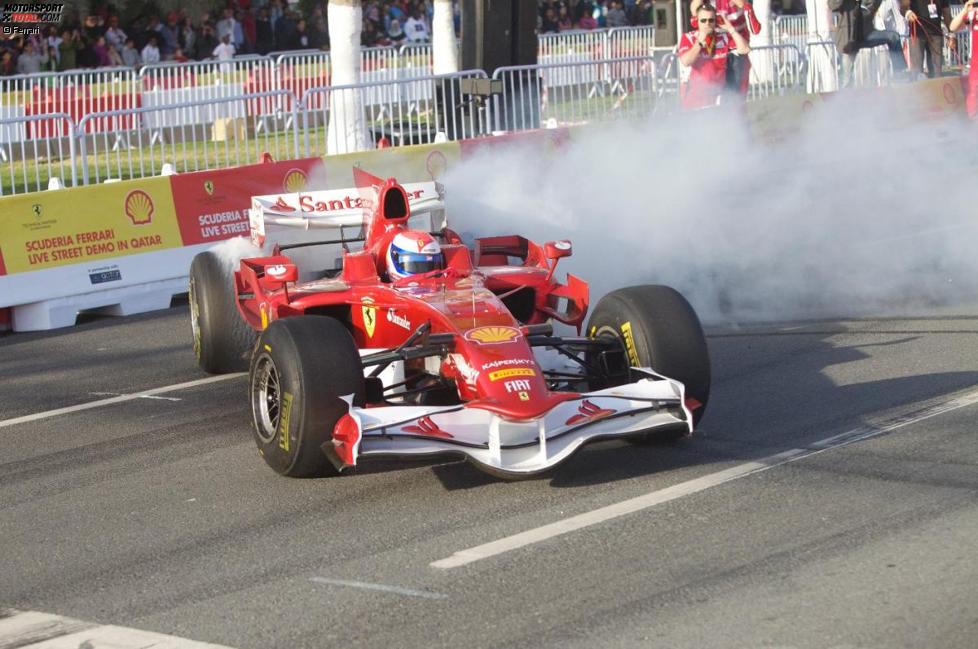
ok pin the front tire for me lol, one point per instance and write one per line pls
(659, 329)
(222, 339)
(301, 368)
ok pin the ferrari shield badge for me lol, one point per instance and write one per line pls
(369, 316)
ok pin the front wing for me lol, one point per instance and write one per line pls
(516, 448)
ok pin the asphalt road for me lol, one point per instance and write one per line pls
(157, 513)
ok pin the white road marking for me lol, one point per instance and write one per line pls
(144, 396)
(34, 630)
(651, 499)
(381, 587)
(119, 399)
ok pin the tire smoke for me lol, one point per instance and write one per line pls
(861, 212)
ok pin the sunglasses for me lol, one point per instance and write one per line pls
(708, 21)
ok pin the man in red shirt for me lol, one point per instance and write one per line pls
(740, 14)
(968, 17)
(705, 52)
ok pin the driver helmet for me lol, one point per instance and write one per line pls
(413, 253)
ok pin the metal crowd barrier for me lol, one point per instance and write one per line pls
(873, 68)
(395, 113)
(32, 161)
(776, 70)
(561, 94)
(191, 136)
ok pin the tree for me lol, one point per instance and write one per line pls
(346, 130)
(443, 45)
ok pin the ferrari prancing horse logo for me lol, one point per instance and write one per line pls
(369, 316)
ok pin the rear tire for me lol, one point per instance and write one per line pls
(658, 329)
(222, 338)
(301, 368)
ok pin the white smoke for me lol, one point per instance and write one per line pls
(232, 251)
(862, 212)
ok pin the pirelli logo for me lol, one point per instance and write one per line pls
(508, 374)
(29, 13)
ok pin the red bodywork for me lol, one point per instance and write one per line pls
(492, 364)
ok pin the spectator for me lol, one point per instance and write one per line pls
(206, 42)
(394, 33)
(179, 56)
(286, 36)
(549, 25)
(51, 65)
(587, 21)
(248, 27)
(926, 35)
(169, 36)
(130, 55)
(30, 61)
(564, 22)
(8, 67)
(704, 50)
(151, 53)
(369, 36)
(114, 36)
(318, 30)
(101, 52)
(152, 30)
(54, 41)
(274, 13)
(69, 48)
(968, 17)
(887, 27)
(416, 29)
(302, 36)
(264, 38)
(225, 50)
(238, 34)
(188, 36)
(616, 15)
(226, 25)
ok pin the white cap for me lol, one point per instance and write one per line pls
(55, 183)
(167, 169)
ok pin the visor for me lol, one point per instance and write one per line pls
(410, 263)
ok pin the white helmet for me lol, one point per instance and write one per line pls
(412, 253)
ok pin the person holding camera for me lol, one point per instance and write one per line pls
(740, 14)
(705, 52)
(968, 18)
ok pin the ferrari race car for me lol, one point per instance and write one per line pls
(355, 353)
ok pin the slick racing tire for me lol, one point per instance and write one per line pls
(300, 369)
(658, 329)
(222, 338)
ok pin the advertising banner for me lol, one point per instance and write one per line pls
(86, 225)
(213, 205)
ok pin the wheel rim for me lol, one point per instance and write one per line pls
(195, 318)
(267, 398)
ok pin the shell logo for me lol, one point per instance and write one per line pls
(139, 207)
(295, 180)
(492, 335)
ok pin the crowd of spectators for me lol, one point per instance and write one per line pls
(262, 27)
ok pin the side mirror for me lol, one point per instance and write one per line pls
(557, 249)
(277, 275)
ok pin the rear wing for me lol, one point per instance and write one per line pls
(282, 218)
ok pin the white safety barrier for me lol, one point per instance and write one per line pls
(401, 112)
(776, 70)
(211, 133)
(45, 150)
(559, 94)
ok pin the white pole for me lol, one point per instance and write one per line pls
(347, 129)
(762, 62)
(823, 73)
(443, 46)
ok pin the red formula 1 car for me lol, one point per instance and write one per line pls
(358, 347)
